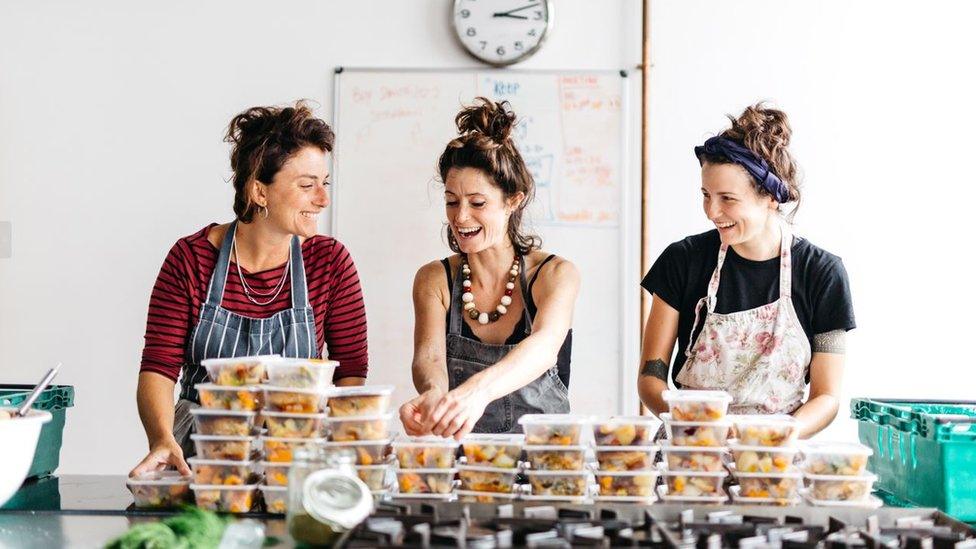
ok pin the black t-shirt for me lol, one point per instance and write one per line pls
(821, 291)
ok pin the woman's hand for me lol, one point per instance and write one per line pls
(160, 456)
(456, 412)
(413, 412)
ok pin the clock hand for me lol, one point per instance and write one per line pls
(510, 12)
(507, 15)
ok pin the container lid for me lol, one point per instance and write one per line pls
(296, 415)
(639, 420)
(554, 473)
(430, 470)
(717, 474)
(843, 448)
(297, 440)
(736, 447)
(425, 441)
(232, 388)
(626, 499)
(693, 395)
(222, 438)
(232, 487)
(775, 420)
(554, 419)
(647, 449)
(355, 443)
(568, 499)
(360, 390)
(497, 440)
(313, 362)
(375, 417)
(724, 422)
(274, 463)
(662, 492)
(867, 477)
(159, 478)
(282, 389)
(336, 498)
(376, 466)
(652, 472)
(735, 492)
(667, 447)
(219, 412)
(497, 495)
(484, 469)
(792, 472)
(446, 497)
(257, 359)
(230, 462)
(869, 502)
(266, 488)
(554, 448)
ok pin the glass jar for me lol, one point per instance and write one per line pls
(325, 495)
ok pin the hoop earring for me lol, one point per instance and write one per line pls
(264, 211)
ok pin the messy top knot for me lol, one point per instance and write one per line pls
(263, 139)
(484, 142)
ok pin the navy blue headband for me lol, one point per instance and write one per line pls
(741, 155)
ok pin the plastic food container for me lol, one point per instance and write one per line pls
(223, 422)
(763, 459)
(275, 499)
(425, 481)
(368, 452)
(365, 400)
(230, 448)
(667, 497)
(694, 484)
(493, 450)
(627, 483)
(345, 429)
(487, 479)
(766, 430)
(292, 400)
(291, 425)
(302, 373)
(558, 483)
(769, 485)
(238, 371)
(373, 475)
(470, 496)
(280, 449)
(218, 397)
(626, 458)
(840, 487)
(555, 458)
(220, 471)
(159, 489)
(229, 499)
(835, 458)
(693, 405)
(425, 452)
(737, 497)
(553, 429)
(275, 474)
(696, 433)
(625, 430)
(693, 458)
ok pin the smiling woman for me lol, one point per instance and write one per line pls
(262, 284)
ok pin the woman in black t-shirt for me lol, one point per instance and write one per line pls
(756, 311)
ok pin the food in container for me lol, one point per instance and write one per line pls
(626, 458)
(769, 485)
(229, 499)
(493, 450)
(343, 429)
(762, 459)
(292, 425)
(302, 373)
(373, 475)
(275, 499)
(696, 433)
(365, 400)
(840, 487)
(276, 473)
(368, 452)
(555, 458)
(766, 430)
(220, 471)
(223, 422)
(487, 479)
(558, 483)
(219, 397)
(292, 400)
(425, 452)
(280, 449)
(425, 481)
(737, 497)
(833, 458)
(627, 483)
(694, 483)
(553, 429)
(159, 489)
(667, 497)
(625, 430)
(238, 371)
(469, 496)
(219, 447)
(694, 405)
(693, 458)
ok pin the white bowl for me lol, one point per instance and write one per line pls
(18, 438)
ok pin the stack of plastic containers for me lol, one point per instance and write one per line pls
(293, 415)
(425, 467)
(837, 474)
(697, 429)
(359, 421)
(763, 456)
(490, 467)
(625, 452)
(225, 469)
(555, 456)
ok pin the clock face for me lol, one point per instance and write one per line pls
(502, 32)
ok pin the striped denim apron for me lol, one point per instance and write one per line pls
(221, 334)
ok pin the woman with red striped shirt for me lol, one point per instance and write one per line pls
(265, 283)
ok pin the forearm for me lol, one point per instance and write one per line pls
(154, 398)
(350, 381)
(430, 374)
(650, 386)
(522, 365)
(816, 414)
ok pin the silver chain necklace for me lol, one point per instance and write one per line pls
(248, 290)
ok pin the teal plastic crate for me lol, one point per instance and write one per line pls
(924, 450)
(55, 399)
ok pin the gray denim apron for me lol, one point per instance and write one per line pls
(221, 334)
(466, 357)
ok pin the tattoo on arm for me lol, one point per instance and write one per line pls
(656, 368)
(830, 342)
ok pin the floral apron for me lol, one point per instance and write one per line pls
(760, 356)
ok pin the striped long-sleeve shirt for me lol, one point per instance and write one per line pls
(181, 289)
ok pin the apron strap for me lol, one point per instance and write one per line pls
(525, 296)
(215, 291)
(694, 326)
(299, 288)
(786, 262)
(711, 296)
(456, 309)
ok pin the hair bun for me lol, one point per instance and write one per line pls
(487, 118)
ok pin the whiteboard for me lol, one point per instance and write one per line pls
(388, 208)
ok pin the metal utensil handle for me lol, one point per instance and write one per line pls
(22, 411)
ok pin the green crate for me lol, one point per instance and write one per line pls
(924, 451)
(55, 399)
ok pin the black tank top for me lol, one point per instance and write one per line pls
(564, 356)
